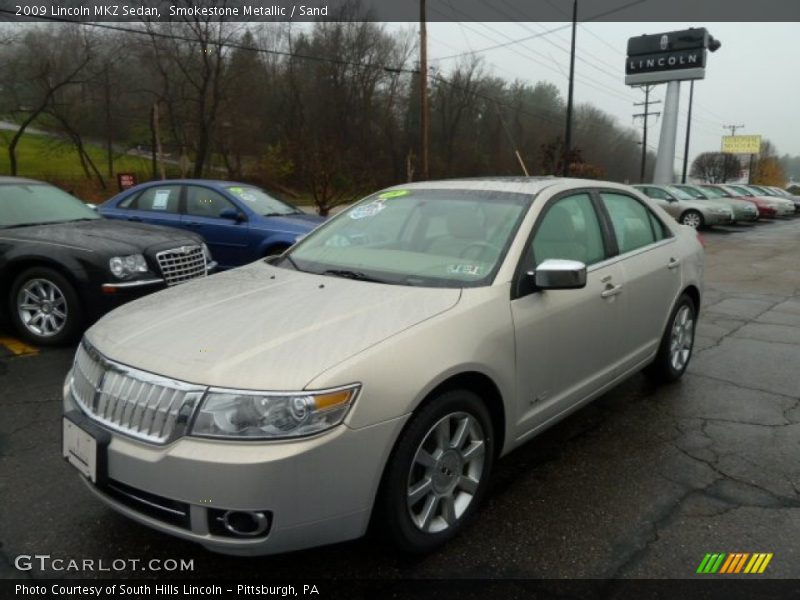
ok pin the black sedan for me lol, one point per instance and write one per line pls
(62, 265)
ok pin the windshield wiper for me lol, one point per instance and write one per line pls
(291, 261)
(30, 224)
(346, 274)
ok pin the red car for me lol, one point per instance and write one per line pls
(765, 208)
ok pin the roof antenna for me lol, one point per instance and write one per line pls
(511, 140)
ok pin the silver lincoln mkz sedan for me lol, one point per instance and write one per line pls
(377, 370)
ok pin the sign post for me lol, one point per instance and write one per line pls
(669, 58)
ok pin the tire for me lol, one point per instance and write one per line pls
(456, 478)
(693, 219)
(44, 307)
(668, 366)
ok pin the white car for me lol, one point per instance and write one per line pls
(381, 365)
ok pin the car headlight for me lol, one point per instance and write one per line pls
(125, 266)
(243, 414)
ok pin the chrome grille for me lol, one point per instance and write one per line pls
(140, 404)
(182, 264)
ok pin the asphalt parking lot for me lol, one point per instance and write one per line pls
(642, 483)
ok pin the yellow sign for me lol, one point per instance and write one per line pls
(741, 144)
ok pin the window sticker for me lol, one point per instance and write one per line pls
(246, 195)
(473, 270)
(368, 210)
(161, 199)
(393, 194)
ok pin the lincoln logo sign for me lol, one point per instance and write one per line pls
(666, 61)
(671, 56)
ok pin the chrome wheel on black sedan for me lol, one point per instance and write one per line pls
(438, 471)
(44, 306)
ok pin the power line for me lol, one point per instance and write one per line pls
(226, 44)
(532, 37)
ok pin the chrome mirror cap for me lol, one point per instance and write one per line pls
(559, 274)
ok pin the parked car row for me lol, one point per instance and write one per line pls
(706, 205)
(64, 265)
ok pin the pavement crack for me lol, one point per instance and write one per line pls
(742, 385)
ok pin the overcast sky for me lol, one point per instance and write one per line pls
(752, 80)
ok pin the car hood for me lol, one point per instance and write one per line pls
(103, 236)
(296, 223)
(261, 327)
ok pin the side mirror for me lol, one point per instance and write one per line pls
(558, 274)
(232, 214)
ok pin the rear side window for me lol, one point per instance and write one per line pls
(633, 223)
(163, 199)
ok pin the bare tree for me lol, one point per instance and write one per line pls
(715, 167)
(39, 69)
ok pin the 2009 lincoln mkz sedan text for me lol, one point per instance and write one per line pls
(379, 368)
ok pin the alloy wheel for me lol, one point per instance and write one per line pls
(446, 471)
(42, 307)
(682, 338)
(692, 219)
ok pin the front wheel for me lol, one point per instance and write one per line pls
(438, 471)
(693, 219)
(677, 343)
(44, 307)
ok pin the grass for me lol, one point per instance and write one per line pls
(57, 162)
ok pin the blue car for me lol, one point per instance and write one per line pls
(239, 222)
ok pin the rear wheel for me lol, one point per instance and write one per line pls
(675, 350)
(438, 472)
(693, 219)
(44, 307)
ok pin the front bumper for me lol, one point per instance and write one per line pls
(316, 491)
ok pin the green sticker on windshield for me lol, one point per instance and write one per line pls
(393, 194)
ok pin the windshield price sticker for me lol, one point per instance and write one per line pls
(393, 194)
(368, 210)
(473, 270)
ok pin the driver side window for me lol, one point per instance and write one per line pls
(569, 230)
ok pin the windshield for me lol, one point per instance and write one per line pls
(679, 193)
(694, 192)
(715, 192)
(739, 190)
(260, 202)
(427, 237)
(39, 203)
(761, 190)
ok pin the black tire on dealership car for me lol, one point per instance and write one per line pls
(693, 219)
(677, 343)
(43, 299)
(456, 466)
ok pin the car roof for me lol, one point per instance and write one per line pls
(8, 179)
(521, 185)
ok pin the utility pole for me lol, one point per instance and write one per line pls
(568, 133)
(423, 89)
(733, 128)
(688, 132)
(644, 116)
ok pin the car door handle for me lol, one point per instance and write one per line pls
(611, 290)
(673, 262)
(192, 223)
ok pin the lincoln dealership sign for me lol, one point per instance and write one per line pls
(671, 56)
